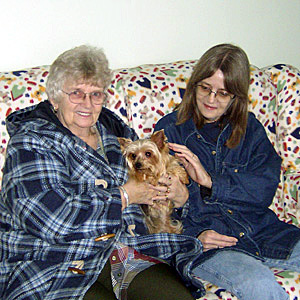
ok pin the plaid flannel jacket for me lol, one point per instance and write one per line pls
(57, 196)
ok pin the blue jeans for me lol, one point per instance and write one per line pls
(246, 277)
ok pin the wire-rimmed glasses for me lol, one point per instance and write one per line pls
(78, 96)
(220, 95)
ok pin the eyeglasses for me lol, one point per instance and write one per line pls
(221, 95)
(78, 97)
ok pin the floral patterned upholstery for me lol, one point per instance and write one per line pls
(142, 95)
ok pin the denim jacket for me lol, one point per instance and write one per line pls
(244, 181)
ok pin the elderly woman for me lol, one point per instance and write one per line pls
(236, 171)
(70, 224)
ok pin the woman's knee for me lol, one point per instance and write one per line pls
(98, 291)
(259, 287)
(242, 275)
(158, 282)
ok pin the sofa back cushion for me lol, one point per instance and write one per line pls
(153, 91)
(142, 95)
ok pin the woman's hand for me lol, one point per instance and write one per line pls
(210, 239)
(170, 187)
(138, 192)
(192, 164)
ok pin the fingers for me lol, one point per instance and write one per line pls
(218, 238)
(188, 157)
(168, 190)
(184, 154)
(171, 188)
(212, 240)
(177, 147)
(162, 192)
(139, 192)
(161, 189)
(166, 179)
(182, 149)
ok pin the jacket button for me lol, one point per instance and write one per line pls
(230, 211)
(114, 258)
(104, 237)
(242, 234)
(236, 170)
(213, 152)
(256, 253)
(76, 270)
(198, 136)
(101, 182)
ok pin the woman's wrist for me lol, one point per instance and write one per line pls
(181, 196)
(207, 182)
(125, 197)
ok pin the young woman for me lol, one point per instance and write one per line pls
(235, 172)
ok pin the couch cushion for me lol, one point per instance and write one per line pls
(19, 89)
(153, 91)
(263, 101)
(287, 81)
(116, 96)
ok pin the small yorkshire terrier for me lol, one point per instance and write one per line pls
(148, 160)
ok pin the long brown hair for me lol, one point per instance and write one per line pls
(234, 64)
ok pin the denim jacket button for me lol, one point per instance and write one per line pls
(236, 170)
(230, 211)
(242, 234)
(213, 152)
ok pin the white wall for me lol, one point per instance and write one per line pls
(132, 32)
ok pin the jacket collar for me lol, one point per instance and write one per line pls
(44, 111)
(189, 129)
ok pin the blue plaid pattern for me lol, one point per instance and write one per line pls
(51, 210)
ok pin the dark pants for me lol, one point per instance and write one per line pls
(159, 282)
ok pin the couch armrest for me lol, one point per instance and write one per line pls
(287, 81)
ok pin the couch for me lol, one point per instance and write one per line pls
(143, 94)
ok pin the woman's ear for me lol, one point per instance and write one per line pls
(54, 104)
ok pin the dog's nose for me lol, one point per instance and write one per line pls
(138, 165)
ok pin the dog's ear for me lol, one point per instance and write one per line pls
(159, 139)
(124, 142)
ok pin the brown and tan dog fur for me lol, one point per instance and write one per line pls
(148, 160)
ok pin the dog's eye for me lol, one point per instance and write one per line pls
(148, 154)
(133, 156)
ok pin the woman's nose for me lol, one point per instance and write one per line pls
(212, 97)
(87, 102)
